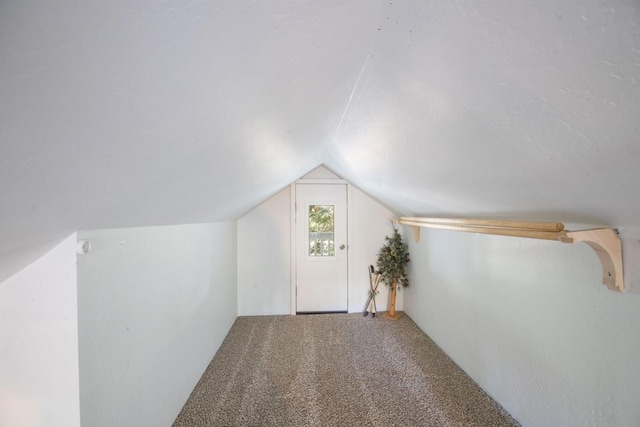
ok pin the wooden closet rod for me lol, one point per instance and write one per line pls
(518, 225)
(604, 241)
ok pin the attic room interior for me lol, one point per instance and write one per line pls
(152, 152)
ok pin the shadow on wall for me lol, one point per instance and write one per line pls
(16, 260)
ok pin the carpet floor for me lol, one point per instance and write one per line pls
(335, 370)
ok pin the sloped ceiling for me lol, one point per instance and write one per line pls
(517, 109)
(125, 113)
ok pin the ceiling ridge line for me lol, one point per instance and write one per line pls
(356, 83)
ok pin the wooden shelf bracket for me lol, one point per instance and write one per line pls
(607, 245)
(604, 241)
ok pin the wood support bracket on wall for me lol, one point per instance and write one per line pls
(604, 241)
(607, 245)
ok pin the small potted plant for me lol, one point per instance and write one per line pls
(392, 258)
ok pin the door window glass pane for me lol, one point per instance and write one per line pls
(321, 230)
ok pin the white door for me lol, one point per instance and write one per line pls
(321, 247)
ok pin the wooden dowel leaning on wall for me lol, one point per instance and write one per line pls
(604, 241)
(513, 232)
(490, 223)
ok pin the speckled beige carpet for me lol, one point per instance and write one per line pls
(335, 370)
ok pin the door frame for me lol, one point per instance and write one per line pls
(292, 221)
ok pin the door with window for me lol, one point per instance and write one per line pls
(321, 248)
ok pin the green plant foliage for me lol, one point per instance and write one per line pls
(392, 258)
(320, 218)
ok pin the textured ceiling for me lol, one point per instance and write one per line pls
(517, 109)
(127, 113)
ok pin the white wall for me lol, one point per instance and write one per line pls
(154, 305)
(370, 223)
(264, 253)
(532, 324)
(39, 342)
(264, 258)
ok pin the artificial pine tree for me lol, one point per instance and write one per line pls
(392, 258)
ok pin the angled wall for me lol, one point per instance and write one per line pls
(154, 305)
(39, 342)
(264, 253)
(532, 324)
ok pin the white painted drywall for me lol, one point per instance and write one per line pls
(154, 305)
(39, 385)
(370, 223)
(14, 261)
(532, 324)
(433, 107)
(264, 252)
(181, 109)
(484, 107)
(264, 258)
